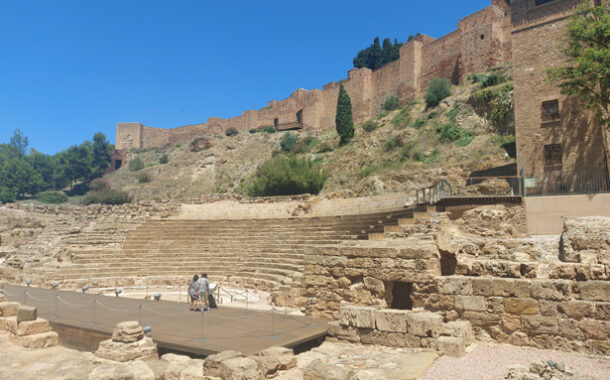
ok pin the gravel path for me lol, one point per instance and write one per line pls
(490, 362)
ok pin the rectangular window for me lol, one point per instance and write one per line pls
(550, 110)
(552, 155)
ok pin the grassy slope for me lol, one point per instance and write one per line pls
(401, 155)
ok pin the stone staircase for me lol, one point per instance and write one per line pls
(403, 224)
(267, 254)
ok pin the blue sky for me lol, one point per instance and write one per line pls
(69, 69)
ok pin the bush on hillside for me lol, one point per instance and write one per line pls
(391, 103)
(437, 90)
(370, 126)
(108, 197)
(136, 164)
(325, 147)
(164, 159)
(303, 145)
(54, 197)
(231, 132)
(7, 196)
(288, 141)
(287, 175)
(144, 177)
(392, 143)
(99, 184)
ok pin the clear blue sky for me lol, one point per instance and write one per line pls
(69, 69)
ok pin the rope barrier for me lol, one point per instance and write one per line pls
(7, 293)
(72, 304)
(116, 310)
(32, 297)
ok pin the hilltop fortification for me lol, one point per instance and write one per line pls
(481, 41)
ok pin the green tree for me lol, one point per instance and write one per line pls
(587, 74)
(287, 175)
(288, 141)
(19, 177)
(19, 142)
(344, 121)
(100, 159)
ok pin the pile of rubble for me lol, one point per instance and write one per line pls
(544, 370)
(24, 327)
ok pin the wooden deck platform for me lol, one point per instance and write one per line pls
(82, 320)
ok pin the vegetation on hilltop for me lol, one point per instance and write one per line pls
(376, 56)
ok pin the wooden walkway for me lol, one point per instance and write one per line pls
(174, 327)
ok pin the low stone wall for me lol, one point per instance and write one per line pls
(365, 272)
(288, 207)
(543, 313)
(139, 210)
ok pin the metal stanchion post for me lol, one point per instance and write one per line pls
(272, 336)
(55, 316)
(94, 302)
(201, 338)
(285, 310)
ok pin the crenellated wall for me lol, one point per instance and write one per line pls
(481, 41)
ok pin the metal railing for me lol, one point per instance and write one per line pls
(576, 184)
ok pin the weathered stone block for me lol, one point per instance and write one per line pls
(600, 347)
(495, 305)
(275, 359)
(521, 306)
(568, 328)
(477, 318)
(454, 285)
(212, 364)
(42, 340)
(577, 309)
(318, 370)
(557, 290)
(460, 329)
(482, 286)
(335, 261)
(347, 333)
(602, 311)
(9, 309)
(539, 325)
(357, 316)
(239, 368)
(26, 313)
(595, 291)
(595, 329)
(38, 326)
(425, 324)
(451, 346)
(548, 308)
(127, 332)
(511, 288)
(391, 320)
(472, 303)
(375, 286)
(144, 349)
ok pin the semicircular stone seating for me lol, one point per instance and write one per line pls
(266, 254)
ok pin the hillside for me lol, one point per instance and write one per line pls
(399, 150)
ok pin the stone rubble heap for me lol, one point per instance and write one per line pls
(128, 343)
(24, 327)
(544, 370)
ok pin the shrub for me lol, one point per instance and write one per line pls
(344, 122)
(367, 171)
(400, 120)
(392, 143)
(370, 126)
(449, 132)
(419, 156)
(325, 147)
(164, 159)
(418, 123)
(288, 141)
(253, 131)
(432, 115)
(108, 197)
(391, 103)
(231, 132)
(452, 114)
(99, 184)
(433, 157)
(54, 197)
(303, 145)
(144, 177)
(136, 164)
(437, 90)
(464, 140)
(7, 196)
(269, 130)
(383, 114)
(287, 175)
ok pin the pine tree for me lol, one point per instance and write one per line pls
(344, 121)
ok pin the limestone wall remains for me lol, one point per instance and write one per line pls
(481, 41)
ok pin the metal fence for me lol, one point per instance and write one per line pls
(576, 184)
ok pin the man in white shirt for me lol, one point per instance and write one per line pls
(203, 288)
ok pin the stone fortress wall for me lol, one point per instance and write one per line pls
(481, 41)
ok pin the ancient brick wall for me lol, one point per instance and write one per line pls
(566, 148)
(453, 56)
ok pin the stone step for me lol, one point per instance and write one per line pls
(376, 236)
(392, 229)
